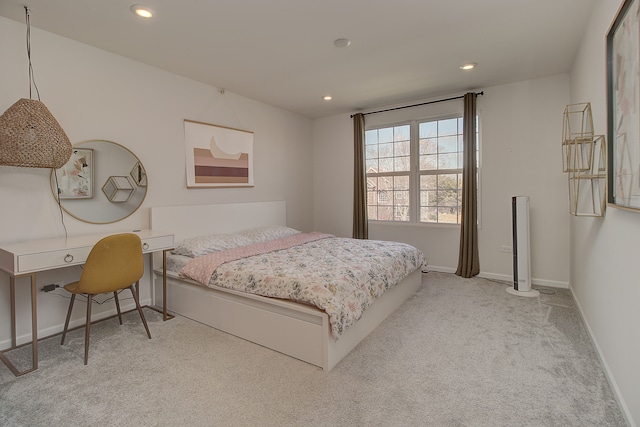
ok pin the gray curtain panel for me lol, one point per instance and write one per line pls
(468, 262)
(360, 224)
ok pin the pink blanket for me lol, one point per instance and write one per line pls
(201, 268)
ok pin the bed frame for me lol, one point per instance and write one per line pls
(298, 330)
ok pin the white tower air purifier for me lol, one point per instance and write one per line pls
(521, 252)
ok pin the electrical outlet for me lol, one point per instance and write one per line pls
(506, 248)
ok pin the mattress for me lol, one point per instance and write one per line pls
(340, 276)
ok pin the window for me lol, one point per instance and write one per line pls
(414, 170)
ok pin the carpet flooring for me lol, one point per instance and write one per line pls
(460, 352)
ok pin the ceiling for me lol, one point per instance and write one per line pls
(282, 52)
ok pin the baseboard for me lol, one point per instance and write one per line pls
(550, 283)
(49, 331)
(438, 269)
(502, 277)
(605, 366)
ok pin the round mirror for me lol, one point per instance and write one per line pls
(102, 182)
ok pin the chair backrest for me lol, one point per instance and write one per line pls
(115, 262)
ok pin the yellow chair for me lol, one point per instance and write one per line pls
(114, 263)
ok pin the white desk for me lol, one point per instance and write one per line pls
(30, 257)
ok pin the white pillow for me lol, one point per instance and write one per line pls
(268, 232)
(202, 245)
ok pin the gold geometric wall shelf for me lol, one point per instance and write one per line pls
(588, 186)
(118, 189)
(578, 154)
(584, 158)
(577, 128)
(139, 175)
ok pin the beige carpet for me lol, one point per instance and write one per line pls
(461, 352)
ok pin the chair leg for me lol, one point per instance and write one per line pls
(115, 296)
(87, 328)
(66, 323)
(135, 298)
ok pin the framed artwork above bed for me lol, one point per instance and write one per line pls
(217, 156)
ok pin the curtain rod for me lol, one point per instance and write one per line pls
(417, 105)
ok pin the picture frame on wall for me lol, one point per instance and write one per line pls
(75, 179)
(623, 108)
(217, 156)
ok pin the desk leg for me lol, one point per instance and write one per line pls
(12, 295)
(34, 321)
(165, 316)
(34, 327)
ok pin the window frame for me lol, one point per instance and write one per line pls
(415, 173)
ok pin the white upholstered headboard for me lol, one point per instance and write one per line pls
(196, 220)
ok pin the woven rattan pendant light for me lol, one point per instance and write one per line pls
(29, 134)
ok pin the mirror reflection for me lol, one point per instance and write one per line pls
(102, 182)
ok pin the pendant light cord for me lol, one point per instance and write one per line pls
(32, 84)
(32, 81)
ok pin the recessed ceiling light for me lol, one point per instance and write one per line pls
(342, 42)
(327, 97)
(468, 66)
(142, 11)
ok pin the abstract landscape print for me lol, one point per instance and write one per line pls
(218, 156)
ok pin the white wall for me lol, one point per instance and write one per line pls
(604, 251)
(97, 95)
(521, 127)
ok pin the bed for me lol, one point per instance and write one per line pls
(297, 329)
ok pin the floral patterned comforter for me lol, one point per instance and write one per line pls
(340, 276)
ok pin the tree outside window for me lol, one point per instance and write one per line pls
(414, 171)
